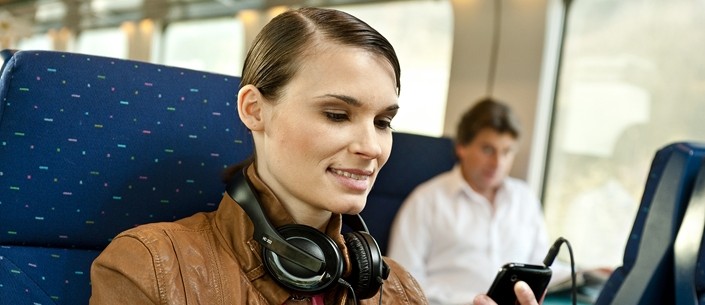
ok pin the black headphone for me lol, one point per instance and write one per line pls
(304, 259)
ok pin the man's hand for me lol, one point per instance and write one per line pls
(522, 291)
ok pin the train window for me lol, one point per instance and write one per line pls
(111, 42)
(35, 42)
(631, 81)
(215, 45)
(422, 35)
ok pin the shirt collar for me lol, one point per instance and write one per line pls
(459, 186)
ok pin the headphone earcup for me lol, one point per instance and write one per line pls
(293, 276)
(366, 260)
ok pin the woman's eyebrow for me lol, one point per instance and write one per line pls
(345, 98)
(355, 102)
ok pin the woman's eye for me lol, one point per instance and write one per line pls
(383, 124)
(336, 117)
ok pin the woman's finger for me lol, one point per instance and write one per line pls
(483, 300)
(524, 294)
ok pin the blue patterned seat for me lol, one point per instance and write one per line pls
(91, 146)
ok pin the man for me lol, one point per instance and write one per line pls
(456, 230)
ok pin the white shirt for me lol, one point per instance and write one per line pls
(448, 237)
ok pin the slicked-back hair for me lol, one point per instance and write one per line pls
(487, 113)
(281, 47)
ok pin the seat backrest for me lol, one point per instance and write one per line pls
(5, 55)
(646, 276)
(699, 272)
(414, 159)
(689, 257)
(91, 146)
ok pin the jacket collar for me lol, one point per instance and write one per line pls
(236, 230)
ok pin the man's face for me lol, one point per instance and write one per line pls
(487, 159)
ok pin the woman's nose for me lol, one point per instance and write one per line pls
(367, 142)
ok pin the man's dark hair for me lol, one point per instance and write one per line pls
(487, 113)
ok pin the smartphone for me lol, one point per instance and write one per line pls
(502, 289)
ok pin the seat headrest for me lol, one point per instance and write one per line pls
(91, 146)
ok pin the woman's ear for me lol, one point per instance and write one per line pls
(249, 107)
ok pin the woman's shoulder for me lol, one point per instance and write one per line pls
(162, 242)
(150, 257)
(157, 233)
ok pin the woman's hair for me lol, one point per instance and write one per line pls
(282, 45)
(279, 49)
(487, 113)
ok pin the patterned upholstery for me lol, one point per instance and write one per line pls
(91, 146)
(414, 159)
(646, 276)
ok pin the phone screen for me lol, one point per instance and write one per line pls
(502, 289)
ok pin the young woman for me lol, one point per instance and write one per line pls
(319, 90)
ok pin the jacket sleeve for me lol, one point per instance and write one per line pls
(124, 273)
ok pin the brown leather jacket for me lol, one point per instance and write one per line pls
(211, 259)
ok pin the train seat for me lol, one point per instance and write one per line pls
(689, 248)
(414, 159)
(91, 146)
(646, 276)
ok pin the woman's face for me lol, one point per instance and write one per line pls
(324, 141)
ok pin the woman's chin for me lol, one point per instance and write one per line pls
(350, 208)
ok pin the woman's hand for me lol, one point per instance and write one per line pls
(522, 291)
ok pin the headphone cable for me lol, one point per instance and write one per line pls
(551, 256)
(380, 280)
(352, 291)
